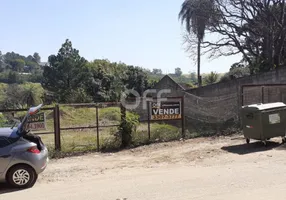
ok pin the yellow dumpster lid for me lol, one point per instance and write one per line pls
(266, 106)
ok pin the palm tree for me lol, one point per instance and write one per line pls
(197, 15)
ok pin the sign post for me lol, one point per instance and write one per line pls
(37, 122)
(170, 109)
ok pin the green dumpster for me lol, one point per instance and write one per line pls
(264, 121)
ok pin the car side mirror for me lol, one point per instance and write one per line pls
(35, 110)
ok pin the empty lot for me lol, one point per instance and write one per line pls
(203, 168)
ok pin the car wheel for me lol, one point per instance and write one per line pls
(22, 176)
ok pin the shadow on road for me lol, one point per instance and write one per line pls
(253, 147)
(281, 147)
(5, 189)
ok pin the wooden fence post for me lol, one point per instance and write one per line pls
(183, 116)
(149, 120)
(262, 94)
(123, 121)
(97, 129)
(57, 128)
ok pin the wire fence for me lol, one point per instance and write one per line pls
(211, 109)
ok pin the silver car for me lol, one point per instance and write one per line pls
(22, 155)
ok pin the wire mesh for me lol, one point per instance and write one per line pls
(211, 109)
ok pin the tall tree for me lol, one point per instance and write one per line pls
(99, 82)
(178, 71)
(37, 57)
(193, 77)
(197, 15)
(136, 79)
(2, 64)
(18, 65)
(254, 29)
(157, 71)
(65, 73)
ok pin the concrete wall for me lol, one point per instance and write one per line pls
(223, 88)
(219, 103)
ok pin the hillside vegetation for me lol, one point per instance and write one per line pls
(68, 77)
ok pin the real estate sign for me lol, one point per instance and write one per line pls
(163, 110)
(37, 122)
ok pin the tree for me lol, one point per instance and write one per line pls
(157, 71)
(66, 72)
(31, 66)
(136, 79)
(193, 77)
(178, 71)
(18, 65)
(211, 78)
(32, 94)
(99, 84)
(2, 64)
(37, 57)
(13, 97)
(237, 70)
(197, 16)
(13, 77)
(254, 29)
(30, 58)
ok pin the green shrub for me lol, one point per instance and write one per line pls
(127, 127)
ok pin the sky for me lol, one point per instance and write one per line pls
(142, 33)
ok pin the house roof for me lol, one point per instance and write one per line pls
(183, 86)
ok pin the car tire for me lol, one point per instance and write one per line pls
(21, 176)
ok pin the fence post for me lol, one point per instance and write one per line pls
(183, 116)
(149, 120)
(57, 128)
(123, 121)
(262, 94)
(97, 129)
(123, 112)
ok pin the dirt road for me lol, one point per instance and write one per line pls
(220, 168)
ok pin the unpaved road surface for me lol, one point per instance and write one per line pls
(204, 168)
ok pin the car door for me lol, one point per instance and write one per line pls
(5, 157)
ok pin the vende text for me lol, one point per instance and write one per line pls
(169, 111)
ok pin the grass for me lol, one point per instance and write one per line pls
(158, 133)
(86, 141)
(77, 141)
